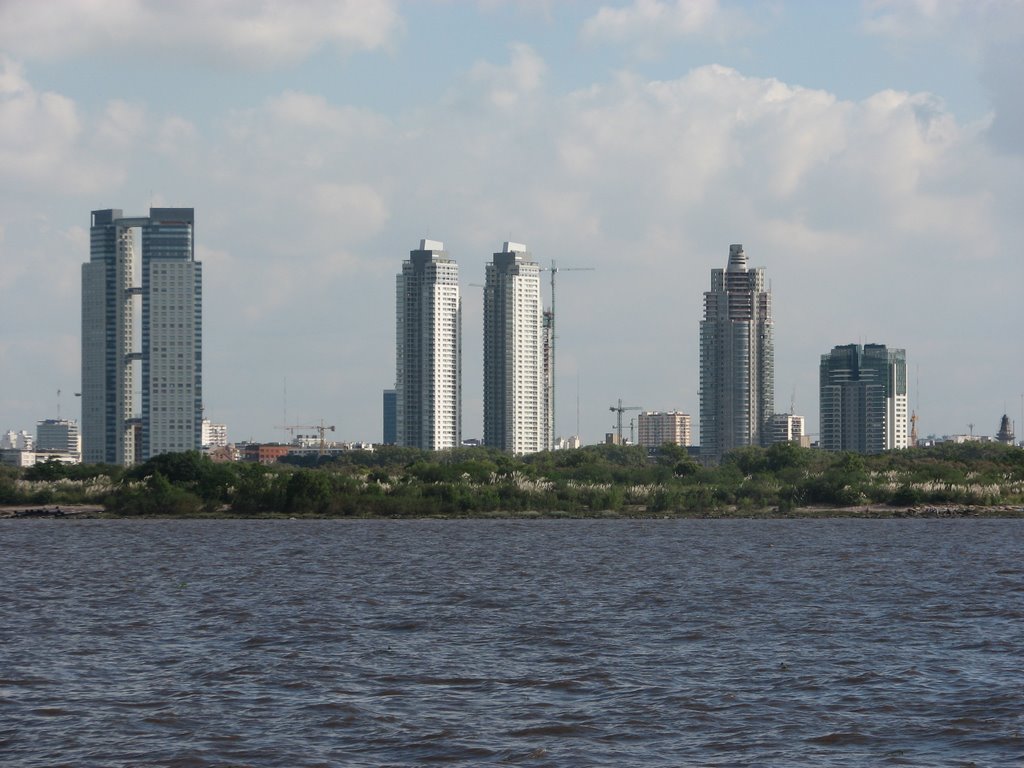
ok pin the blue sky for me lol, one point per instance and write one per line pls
(869, 155)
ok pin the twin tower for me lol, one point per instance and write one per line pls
(518, 353)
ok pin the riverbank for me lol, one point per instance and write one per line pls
(873, 512)
(74, 511)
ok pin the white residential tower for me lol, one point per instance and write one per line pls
(428, 350)
(515, 375)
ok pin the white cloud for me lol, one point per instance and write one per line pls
(122, 123)
(905, 19)
(174, 134)
(985, 35)
(356, 207)
(507, 86)
(256, 34)
(643, 16)
(650, 24)
(38, 131)
(884, 218)
(12, 77)
(47, 141)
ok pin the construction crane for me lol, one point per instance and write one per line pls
(619, 409)
(321, 429)
(554, 270)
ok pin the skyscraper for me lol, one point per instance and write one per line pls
(515, 376)
(863, 394)
(141, 337)
(428, 350)
(737, 359)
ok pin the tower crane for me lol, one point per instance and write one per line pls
(321, 429)
(619, 409)
(554, 270)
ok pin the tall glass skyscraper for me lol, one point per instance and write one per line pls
(863, 398)
(515, 375)
(141, 337)
(428, 350)
(737, 359)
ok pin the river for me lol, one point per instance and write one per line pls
(534, 643)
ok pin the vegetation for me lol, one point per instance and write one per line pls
(403, 482)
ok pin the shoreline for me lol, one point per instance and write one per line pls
(866, 512)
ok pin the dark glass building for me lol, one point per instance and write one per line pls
(863, 399)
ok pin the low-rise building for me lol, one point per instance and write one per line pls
(58, 435)
(786, 428)
(16, 457)
(264, 453)
(655, 428)
(214, 435)
(21, 441)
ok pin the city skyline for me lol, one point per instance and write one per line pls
(869, 155)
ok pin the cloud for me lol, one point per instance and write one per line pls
(507, 86)
(47, 141)
(259, 34)
(649, 24)
(906, 19)
(1001, 77)
(174, 134)
(883, 218)
(986, 35)
(356, 206)
(38, 131)
(12, 77)
(122, 123)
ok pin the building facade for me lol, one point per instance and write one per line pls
(428, 350)
(786, 428)
(737, 359)
(390, 423)
(141, 337)
(214, 435)
(515, 375)
(58, 435)
(863, 399)
(17, 441)
(655, 428)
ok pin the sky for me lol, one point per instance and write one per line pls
(869, 155)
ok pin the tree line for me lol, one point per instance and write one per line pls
(405, 482)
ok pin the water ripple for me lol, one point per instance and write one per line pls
(541, 643)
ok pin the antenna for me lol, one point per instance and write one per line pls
(58, 405)
(917, 395)
(285, 395)
(578, 403)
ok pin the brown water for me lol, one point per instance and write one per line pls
(546, 643)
